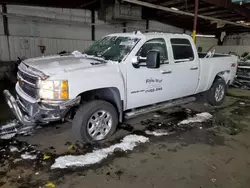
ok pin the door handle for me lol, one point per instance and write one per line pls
(193, 68)
(166, 71)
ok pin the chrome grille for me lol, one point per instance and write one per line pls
(26, 77)
(27, 82)
(28, 89)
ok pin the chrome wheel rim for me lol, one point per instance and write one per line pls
(99, 124)
(219, 93)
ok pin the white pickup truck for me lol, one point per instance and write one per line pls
(118, 77)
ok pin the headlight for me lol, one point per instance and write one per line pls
(51, 89)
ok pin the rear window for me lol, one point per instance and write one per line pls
(182, 49)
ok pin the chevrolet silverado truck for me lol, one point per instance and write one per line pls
(118, 77)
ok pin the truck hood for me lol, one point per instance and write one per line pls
(51, 65)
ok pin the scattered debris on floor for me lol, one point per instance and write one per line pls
(182, 126)
(13, 149)
(8, 130)
(28, 156)
(213, 180)
(159, 132)
(50, 184)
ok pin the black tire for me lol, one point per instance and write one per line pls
(210, 95)
(83, 114)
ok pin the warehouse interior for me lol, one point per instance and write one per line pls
(26, 25)
(209, 152)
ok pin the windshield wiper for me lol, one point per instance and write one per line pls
(99, 59)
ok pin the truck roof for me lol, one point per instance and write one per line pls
(150, 34)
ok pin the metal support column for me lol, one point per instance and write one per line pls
(93, 25)
(6, 27)
(195, 19)
(124, 27)
(147, 25)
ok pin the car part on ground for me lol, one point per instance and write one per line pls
(243, 77)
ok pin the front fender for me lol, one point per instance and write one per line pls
(91, 82)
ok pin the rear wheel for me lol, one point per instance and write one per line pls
(95, 121)
(216, 94)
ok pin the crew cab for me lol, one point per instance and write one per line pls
(118, 77)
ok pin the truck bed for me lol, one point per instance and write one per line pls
(203, 54)
(210, 67)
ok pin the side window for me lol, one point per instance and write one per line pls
(182, 50)
(155, 44)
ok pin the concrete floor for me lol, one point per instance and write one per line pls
(210, 154)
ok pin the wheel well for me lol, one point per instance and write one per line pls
(111, 95)
(221, 75)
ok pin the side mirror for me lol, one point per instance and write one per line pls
(135, 62)
(153, 59)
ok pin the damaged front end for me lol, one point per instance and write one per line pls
(29, 107)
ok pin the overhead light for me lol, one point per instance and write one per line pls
(205, 36)
(173, 8)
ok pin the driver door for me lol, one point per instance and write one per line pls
(147, 86)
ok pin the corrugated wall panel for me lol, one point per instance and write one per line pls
(136, 25)
(206, 43)
(4, 51)
(29, 46)
(236, 49)
(41, 28)
(20, 27)
(102, 30)
(160, 27)
(1, 26)
(69, 30)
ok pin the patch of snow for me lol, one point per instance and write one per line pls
(9, 125)
(54, 64)
(17, 160)
(157, 116)
(7, 136)
(37, 173)
(13, 149)
(127, 143)
(78, 54)
(159, 132)
(198, 118)
(242, 103)
(28, 156)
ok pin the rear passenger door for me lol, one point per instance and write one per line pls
(184, 66)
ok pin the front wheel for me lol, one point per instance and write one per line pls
(95, 121)
(216, 94)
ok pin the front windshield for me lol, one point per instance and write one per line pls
(113, 48)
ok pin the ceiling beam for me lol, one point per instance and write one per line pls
(229, 5)
(208, 8)
(62, 4)
(229, 15)
(179, 12)
(235, 18)
(214, 12)
(172, 2)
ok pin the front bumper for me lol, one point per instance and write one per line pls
(38, 112)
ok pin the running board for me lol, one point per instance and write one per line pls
(160, 106)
